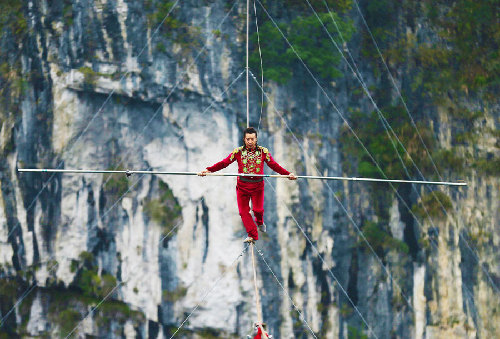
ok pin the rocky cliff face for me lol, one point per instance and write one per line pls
(94, 84)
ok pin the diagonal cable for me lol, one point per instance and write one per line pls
(326, 265)
(340, 113)
(23, 296)
(204, 111)
(388, 128)
(286, 292)
(358, 229)
(397, 88)
(210, 290)
(92, 119)
(177, 84)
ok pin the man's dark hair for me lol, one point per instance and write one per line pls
(249, 130)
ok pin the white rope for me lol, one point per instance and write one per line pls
(286, 292)
(154, 115)
(95, 224)
(210, 290)
(343, 207)
(257, 295)
(397, 89)
(91, 120)
(388, 127)
(256, 288)
(340, 114)
(106, 212)
(376, 107)
(23, 296)
(358, 229)
(326, 265)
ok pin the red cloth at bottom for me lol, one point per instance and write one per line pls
(259, 334)
(254, 191)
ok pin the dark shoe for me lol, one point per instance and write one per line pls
(262, 228)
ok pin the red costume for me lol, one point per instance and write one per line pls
(250, 162)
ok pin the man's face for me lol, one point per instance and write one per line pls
(250, 140)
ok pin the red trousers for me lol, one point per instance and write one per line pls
(254, 191)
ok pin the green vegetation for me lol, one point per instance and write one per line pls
(67, 320)
(299, 6)
(173, 296)
(464, 55)
(165, 210)
(209, 333)
(355, 333)
(88, 280)
(480, 237)
(472, 30)
(12, 19)
(89, 77)
(487, 166)
(381, 17)
(67, 12)
(310, 41)
(68, 306)
(14, 28)
(115, 184)
(432, 202)
(346, 310)
(173, 27)
(373, 135)
(380, 240)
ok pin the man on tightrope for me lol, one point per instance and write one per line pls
(251, 158)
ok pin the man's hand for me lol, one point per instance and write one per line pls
(292, 176)
(203, 173)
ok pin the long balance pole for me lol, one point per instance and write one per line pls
(129, 172)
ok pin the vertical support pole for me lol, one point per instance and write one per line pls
(248, 94)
